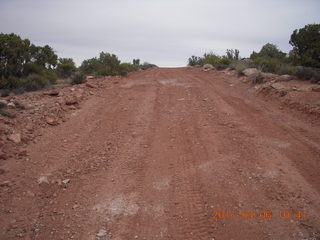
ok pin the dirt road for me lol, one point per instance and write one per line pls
(169, 154)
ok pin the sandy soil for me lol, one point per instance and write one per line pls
(168, 154)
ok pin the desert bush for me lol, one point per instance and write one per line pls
(2, 105)
(18, 91)
(136, 62)
(50, 75)
(194, 61)
(15, 82)
(123, 69)
(109, 65)
(132, 67)
(239, 66)
(215, 60)
(5, 92)
(78, 78)
(210, 58)
(103, 72)
(307, 73)
(30, 68)
(266, 64)
(224, 61)
(147, 65)
(256, 78)
(286, 69)
(33, 82)
(221, 66)
(233, 54)
(65, 67)
(269, 51)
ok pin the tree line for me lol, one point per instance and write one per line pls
(303, 60)
(27, 67)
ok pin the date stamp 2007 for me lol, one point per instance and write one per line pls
(258, 214)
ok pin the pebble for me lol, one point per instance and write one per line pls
(66, 181)
(11, 105)
(102, 233)
(16, 137)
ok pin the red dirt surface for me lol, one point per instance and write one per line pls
(158, 155)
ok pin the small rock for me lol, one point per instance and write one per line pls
(102, 233)
(282, 93)
(75, 206)
(54, 92)
(208, 67)
(51, 120)
(16, 137)
(43, 179)
(250, 71)
(66, 181)
(284, 78)
(71, 100)
(11, 105)
(90, 85)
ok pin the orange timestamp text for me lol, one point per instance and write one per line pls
(258, 214)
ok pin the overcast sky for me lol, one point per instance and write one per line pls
(164, 32)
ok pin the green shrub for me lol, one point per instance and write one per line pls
(147, 65)
(266, 64)
(123, 69)
(66, 67)
(194, 61)
(221, 66)
(239, 66)
(316, 77)
(30, 68)
(5, 92)
(256, 78)
(18, 91)
(130, 67)
(78, 78)
(307, 73)
(269, 51)
(50, 76)
(286, 69)
(34, 82)
(13, 82)
(224, 61)
(233, 54)
(2, 105)
(210, 58)
(103, 72)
